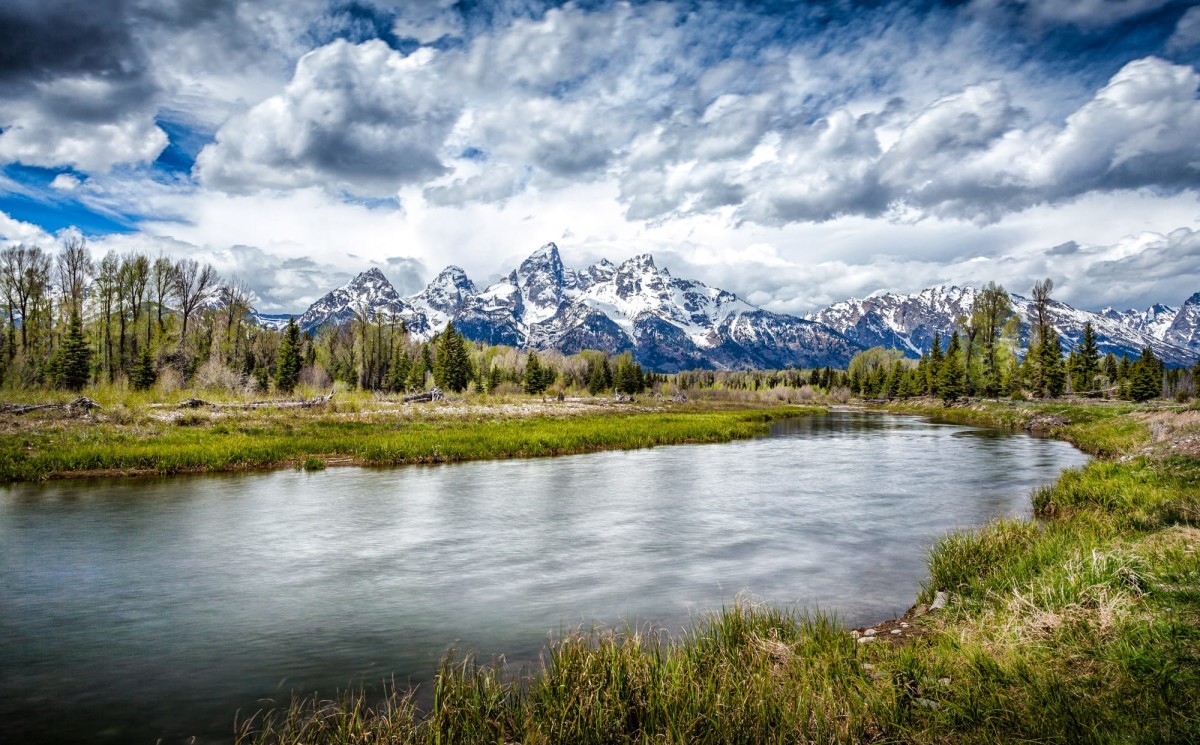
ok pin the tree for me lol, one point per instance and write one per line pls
(400, 369)
(934, 367)
(598, 380)
(163, 275)
(989, 313)
(1087, 364)
(74, 357)
(1145, 379)
(950, 381)
(25, 276)
(452, 370)
(537, 378)
(144, 375)
(1050, 363)
(75, 269)
(192, 285)
(287, 363)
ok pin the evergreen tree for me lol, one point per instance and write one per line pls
(400, 369)
(596, 380)
(452, 370)
(1145, 379)
(75, 357)
(933, 368)
(287, 362)
(1052, 366)
(144, 375)
(536, 379)
(420, 366)
(951, 372)
(1087, 361)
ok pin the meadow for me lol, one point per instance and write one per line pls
(135, 434)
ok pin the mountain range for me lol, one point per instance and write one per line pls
(672, 324)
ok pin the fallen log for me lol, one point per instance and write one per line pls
(81, 405)
(278, 403)
(433, 394)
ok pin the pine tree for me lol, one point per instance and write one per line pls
(400, 369)
(1145, 378)
(1053, 368)
(75, 357)
(535, 378)
(933, 368)
(596, 380)
(144, 375)
(452, 370)
(950, 383)
(1087, 361)
(287, 362)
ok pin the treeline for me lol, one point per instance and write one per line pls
(981, 359)
(70, 321)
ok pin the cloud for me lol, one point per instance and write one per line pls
(1187, 32)
(361, 117)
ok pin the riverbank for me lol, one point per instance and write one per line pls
(132, 437)
(1083, 626)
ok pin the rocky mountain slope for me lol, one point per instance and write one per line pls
(672, 324)
(908, 323)
(668, 323)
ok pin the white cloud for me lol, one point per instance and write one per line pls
(360, 117)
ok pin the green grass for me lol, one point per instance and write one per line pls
(1080, 626)
(198, 441)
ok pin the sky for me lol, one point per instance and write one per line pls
(794, 153)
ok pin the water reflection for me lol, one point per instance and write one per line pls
(143, 609)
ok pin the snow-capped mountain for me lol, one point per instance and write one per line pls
(674, 324)
(668, 323)
(369, 294)
(909, 322)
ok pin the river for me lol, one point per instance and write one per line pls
(138, 610)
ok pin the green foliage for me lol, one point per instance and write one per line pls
(951, 380)
(538, 377)
(74, 360)
(452, 369)
(629, 377)
(400, 370)
(287, 363)
(1086, 361)
(1145, 380)
(144, 375)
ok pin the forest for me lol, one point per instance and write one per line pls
(136, 322)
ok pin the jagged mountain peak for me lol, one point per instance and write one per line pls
(453, 276)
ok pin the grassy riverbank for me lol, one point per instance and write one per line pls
(129, 437)
(1083, 627)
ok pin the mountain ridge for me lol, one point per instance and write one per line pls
(671, 324)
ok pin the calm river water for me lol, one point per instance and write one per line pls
(139, 610)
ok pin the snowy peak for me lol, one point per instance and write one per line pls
(447, 291)
(369, 295)
(909, 322)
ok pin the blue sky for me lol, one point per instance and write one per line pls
(794, 153)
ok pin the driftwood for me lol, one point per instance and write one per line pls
(81, 405)
(433, 394)
(279, 403)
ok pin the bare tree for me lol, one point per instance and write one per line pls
(1041, 303)
(235, 303)
(75, 269)
(192, 286)
(163, 273)
(135, 275)
(108, 285)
